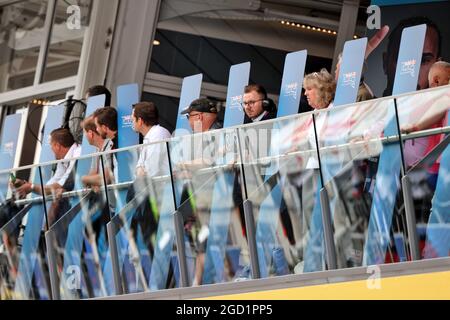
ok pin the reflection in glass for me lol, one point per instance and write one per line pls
(20, 39)
(23, 264)
(67, 38)
(426, 160)
(205, 168)
(282, 172)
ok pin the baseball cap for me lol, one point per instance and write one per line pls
(201, 105)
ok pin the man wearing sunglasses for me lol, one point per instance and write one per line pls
(202, 115)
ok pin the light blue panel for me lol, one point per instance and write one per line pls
(190, 91)
(54, 121)
(291, 84)
(350, 71)
(234, 113)
(127, 95)
(8, 148)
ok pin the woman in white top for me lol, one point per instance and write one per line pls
(319, 91)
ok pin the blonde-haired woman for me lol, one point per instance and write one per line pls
(320, 88)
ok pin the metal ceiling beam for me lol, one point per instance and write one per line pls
(327, 6)
(176, 8)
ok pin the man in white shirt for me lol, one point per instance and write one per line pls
(95, 139)
(153, 159)
(152, 162)
(64, 147)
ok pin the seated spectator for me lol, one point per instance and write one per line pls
(434, 117)
(153, 158)
(152, 162)
(202, 115)
(64, 147)
(96, 140)
(439, 74)
(257, 106)
(106, 125)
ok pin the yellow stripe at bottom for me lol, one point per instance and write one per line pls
(429, 286)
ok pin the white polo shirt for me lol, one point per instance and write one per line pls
(153, 158)
(63, 169)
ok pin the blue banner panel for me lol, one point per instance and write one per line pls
(234, 113)
(190, 91)
(8, 148)
(55, 116)
(291, 85)
(350, 72)
(9, 141)
(387, 180)
(127, 95)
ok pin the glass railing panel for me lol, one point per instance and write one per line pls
(206, 171)
(281, 171)
(143, 226)
(77, 241)
(23, 221)
(361, 162)
(425, 130)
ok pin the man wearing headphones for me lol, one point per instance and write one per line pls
(257, 106)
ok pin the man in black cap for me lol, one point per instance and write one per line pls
(202, 115)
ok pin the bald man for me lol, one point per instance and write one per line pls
(439, 74)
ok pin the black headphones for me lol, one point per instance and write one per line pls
(213, 107)
(268, 105)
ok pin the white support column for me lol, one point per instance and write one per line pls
(96, 49)
(132, 43)
(47, 35)
(347, 27)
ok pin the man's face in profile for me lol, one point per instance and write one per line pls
(429, 56)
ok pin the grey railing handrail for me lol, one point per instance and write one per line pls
(224, 130)
(267, 159)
